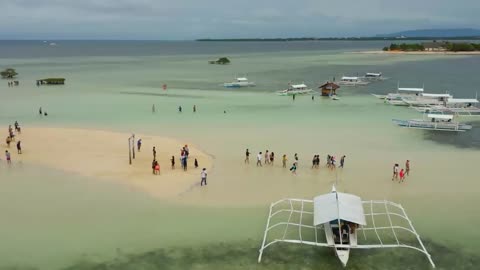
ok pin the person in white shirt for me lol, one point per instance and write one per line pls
(203, 174)
(259, 159)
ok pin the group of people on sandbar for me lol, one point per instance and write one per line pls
(269, 159)
(13, 83)
(184, 156)
(400, 174)
(11, 138)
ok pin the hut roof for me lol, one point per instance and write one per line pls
(329, 85)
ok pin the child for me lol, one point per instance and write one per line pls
(173, 162)
(284, 161)
(402, 175)
(196, 163)
(293, 169)
(157, 168)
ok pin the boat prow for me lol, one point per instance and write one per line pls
(343, 255)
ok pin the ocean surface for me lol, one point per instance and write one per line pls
(55, 220)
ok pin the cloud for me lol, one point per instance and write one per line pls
(189, 19)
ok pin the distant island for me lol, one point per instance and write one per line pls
(333, 39)
(422, 34)
(435, 46)
(434, 33)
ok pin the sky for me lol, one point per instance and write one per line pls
(192, 19)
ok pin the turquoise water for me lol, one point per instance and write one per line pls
(65, 218)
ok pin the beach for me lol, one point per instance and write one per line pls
(419, 52)
(72, 201)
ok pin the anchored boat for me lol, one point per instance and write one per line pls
(352, 81)
(374, 76)
(441, 122)
(295, 89)
(239, 82)
(335, 220)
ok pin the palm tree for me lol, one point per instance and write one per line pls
(8, 73)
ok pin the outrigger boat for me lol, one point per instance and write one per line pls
(239, 82)
(334, 220)
(440, 122)
(295, 89)
(426, 99)
(402, 92)
(372, 76)
(456, 106)
(352, 81)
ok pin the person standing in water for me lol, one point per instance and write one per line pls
(153, 108)
(203, 175)
(395, 172)
(173, 162)
(19, 147)
(40, 111)
(259, 159)
(293, 97)
(272, 158)
(296, 157)
(313, 97)
(179, 108)
(7, 156)
(194, 108)
(342, 161)
(284, 161)
(267, 157)
(139, 144)
(407, 167)
(247, 156)
(154, 153)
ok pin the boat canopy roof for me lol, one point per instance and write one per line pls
(436, 95)
(374, 74)
(410, 89)
(462, 100)
(299, 86)
(337, 205)
(242, 79)
(440, 116)
(349, 78)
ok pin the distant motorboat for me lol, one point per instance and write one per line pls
(239, 82)
(295, 89)
(53, 44)
(334, 97)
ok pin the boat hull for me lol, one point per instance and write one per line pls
(440, 126)
(239, 84)
(291, 93)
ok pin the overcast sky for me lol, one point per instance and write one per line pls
(191, 19)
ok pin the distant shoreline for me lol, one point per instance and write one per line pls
(418, 52)
(336, 39)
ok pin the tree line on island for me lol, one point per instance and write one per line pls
(434, 46)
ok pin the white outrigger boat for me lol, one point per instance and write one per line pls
(427, 99)
(295, 89)
(402, 92)
(352, 81)
(372, 76)
(334, 220)
(239, 82)
(456, 106)
(440, 122)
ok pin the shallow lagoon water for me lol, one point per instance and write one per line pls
(64, 218)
